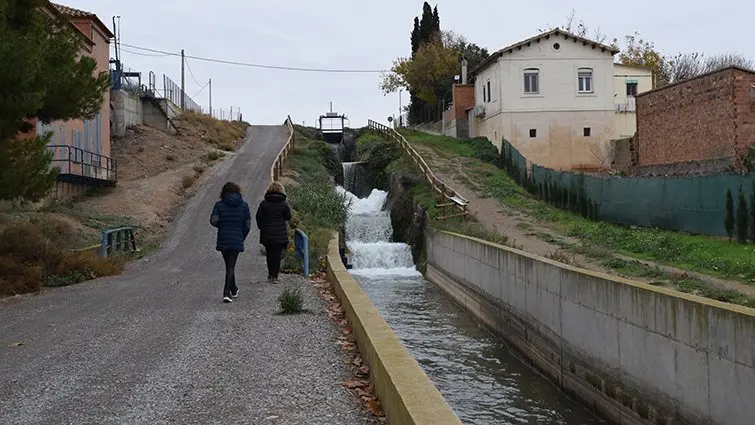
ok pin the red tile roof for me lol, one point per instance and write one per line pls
(78, 13)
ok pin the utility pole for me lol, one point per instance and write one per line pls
(183, 82)
(210, 83)
(400, 116)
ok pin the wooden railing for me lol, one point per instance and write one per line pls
(276, 171)
(446, 196)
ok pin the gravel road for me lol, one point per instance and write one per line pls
(157, 346)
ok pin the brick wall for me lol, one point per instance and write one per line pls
(697, 120)
(463, 98)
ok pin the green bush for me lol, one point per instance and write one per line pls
(291, 300)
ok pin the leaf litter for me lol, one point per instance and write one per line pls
(359, 383)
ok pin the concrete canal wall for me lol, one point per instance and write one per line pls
(635, 353)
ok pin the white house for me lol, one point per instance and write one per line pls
(628, 81)
(551, 96)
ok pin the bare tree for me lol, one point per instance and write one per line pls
(682, 66)
(604, 153)
(725, 60)
(578, 28)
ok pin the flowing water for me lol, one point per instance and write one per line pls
(476, 373)
(355, 178)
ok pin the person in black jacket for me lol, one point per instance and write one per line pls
(272, 215)
(232, 217)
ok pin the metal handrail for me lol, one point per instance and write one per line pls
(447, 195)
(124, 238)
(276, 171)
(87, 160)
(301, 243)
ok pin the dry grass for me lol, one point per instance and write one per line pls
(223, 134)
(188, 180)
(33, 255)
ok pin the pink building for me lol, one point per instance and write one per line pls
(82, 147)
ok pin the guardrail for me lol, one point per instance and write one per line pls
(121, 238)
(74, 161)
(301, 243)
(445, 195)
(281, 161)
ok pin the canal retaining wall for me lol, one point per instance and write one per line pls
(406, 393)
(635, 353)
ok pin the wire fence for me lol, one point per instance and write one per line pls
(127, 79)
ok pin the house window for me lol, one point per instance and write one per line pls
(531, 81)
(631, 88)
(533, 133)
(586, 131)
(488, 90)
(584, 78)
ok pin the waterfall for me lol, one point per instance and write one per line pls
(354, 177)
(368, 235)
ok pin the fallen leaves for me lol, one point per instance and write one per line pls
(359, 383)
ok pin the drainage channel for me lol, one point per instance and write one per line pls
(477, 374)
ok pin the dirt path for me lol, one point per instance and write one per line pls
(531, 235)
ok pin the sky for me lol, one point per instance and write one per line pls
(370, 35)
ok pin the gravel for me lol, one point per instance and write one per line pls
(156, 345)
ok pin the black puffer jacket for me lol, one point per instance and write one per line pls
(272, 215)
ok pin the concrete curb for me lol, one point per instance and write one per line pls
(406, 393)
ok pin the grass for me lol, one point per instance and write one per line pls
(223, 134)
(37, 254)
(319, 209)
(703, 254)
(290, 300)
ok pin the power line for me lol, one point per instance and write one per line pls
(255, 65)
(201, 90)
(191, 73)
(143, 54)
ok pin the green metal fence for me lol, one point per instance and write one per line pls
(694, 204)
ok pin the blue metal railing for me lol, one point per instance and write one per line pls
(121, 238)
(301, 243)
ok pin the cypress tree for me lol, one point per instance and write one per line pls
(729, 220)
(415, 36)
(742, 218)
(436, 19)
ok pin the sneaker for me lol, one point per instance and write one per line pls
(227, 299)
(235, 294)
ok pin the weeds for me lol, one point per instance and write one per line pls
(33, 255)
(562, 257)
(170, 157)
(222, 134)
(291, 300)
(187, 181)
(211, 157)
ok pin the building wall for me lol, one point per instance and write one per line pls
(559, 113)
(91, 135)
(626, 116)
(707, 118)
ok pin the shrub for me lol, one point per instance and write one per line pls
(36, 254)
(321, 204)
(484, 150)
(187, 181)
(291, 300)
(741, 218)
(170, 157)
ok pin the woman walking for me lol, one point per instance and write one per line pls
(232, 217)
(272, 215)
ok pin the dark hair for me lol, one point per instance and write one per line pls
(229, 188)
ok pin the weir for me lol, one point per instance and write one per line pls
(480, 378)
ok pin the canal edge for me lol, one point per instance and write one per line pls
(406, 393)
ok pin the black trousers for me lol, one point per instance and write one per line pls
(274, 253)
(230, 258)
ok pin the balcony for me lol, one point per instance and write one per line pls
(627, 107)
(79, 166)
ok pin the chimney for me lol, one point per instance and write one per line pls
(464, 71)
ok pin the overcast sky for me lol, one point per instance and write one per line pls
(369, 35)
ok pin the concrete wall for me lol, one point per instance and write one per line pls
(127, 110)
(637, 354)
(159, 117)
(406, 393)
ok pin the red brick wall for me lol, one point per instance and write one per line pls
(463, 98)
(744, 109)
(694, 120)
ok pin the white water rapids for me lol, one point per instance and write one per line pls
(368, 235)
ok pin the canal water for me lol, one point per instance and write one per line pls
(477, 374)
